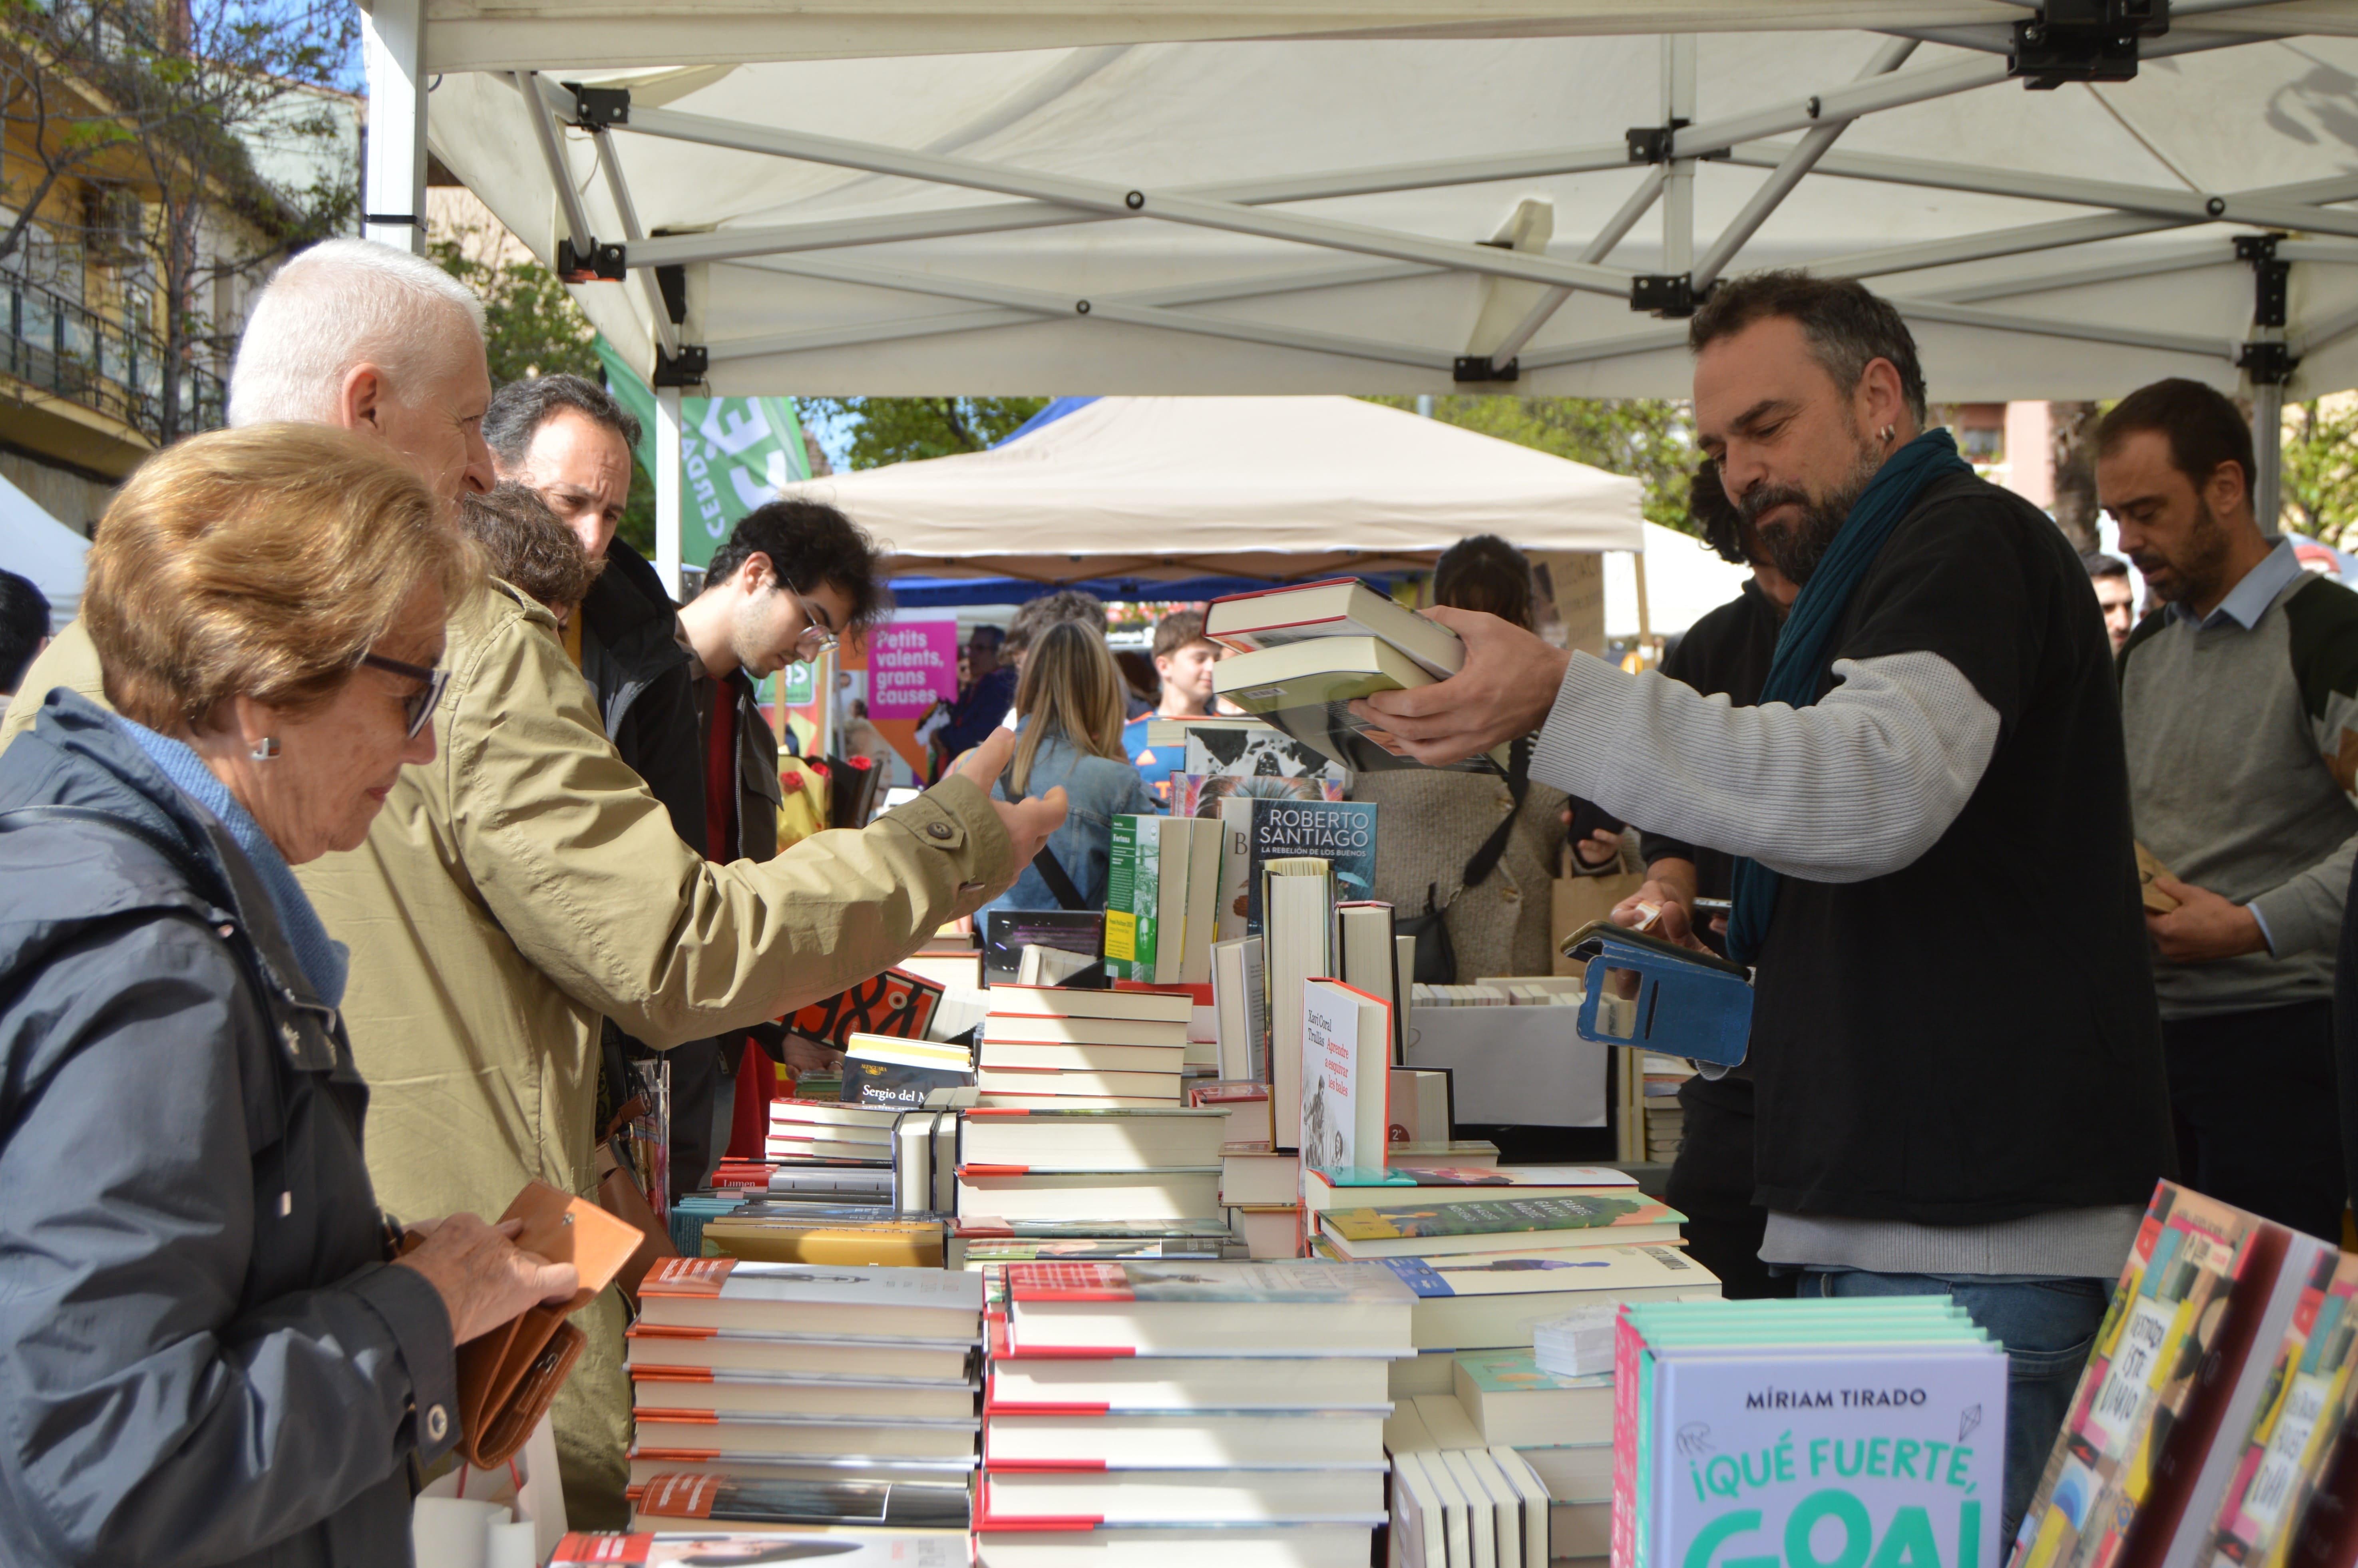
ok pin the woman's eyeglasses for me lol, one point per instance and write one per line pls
(418, 706)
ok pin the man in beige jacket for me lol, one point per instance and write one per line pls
(525, 882)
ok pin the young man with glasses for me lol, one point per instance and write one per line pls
(789, 579)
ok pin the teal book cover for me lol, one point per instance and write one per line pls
(1496, 1215)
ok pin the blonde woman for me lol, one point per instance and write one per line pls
(1070, 707)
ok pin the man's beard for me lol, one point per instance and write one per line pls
(2196, 577)
(1796, 549)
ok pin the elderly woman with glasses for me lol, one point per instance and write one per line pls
(208, 1351)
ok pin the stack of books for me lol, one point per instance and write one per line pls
(1307, 652)
(778, 1372)
(1096, 1173)
(949, 959)
(831, 1152)
(1483, 1282)
(1188, 1413)
(2213, 1423)
(1882, 1419)
(1045, 1047)
(1665, 1121)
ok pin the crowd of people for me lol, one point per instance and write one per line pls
(379, 786)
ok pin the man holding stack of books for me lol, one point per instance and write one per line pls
(1953, 1038)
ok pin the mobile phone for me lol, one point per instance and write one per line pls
(1715, 906)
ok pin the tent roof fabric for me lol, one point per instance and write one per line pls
(36, 546)
(1152, 198)
(1171, 488)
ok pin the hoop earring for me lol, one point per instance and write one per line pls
(265, 750)
(1889, 432)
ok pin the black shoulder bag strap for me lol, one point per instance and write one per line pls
(1052, 872)
(1519, 784)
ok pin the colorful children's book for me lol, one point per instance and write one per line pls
(2309, 1390)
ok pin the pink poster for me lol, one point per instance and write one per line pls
(909, 663)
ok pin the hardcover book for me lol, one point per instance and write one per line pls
(1450, 1227)
(895, 1002)
(1307, 690)
(898, 1505)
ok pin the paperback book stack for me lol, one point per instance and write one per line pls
(1492, 1251)
(844, 1183)
(2205, 1426)
(783, 1373)
(1176, 1414)
(1045, 1047)
(1876, 1428)
(1105, 1182)
(1665, 1121)
(1307, 652)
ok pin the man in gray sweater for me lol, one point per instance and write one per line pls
(2240, 703)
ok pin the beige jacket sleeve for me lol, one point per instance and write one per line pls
(579, 865)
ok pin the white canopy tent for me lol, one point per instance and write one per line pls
(1174, 488)
(1685, 581)
(1150, 196)
(36, 546)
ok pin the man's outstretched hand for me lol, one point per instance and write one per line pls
(1505, 689)
(1029, 822)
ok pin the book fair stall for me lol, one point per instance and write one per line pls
(1157, 1236)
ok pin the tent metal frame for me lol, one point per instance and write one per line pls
(1358, 252)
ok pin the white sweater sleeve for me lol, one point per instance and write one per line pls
(1857, 787)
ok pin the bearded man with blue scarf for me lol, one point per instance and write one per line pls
(1954, 1040)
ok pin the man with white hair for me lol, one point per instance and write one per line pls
(525, 882)
(356, 335)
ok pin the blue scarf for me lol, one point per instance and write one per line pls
(325, 961)
(1803, 647)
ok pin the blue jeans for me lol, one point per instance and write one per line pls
(2047, 1326)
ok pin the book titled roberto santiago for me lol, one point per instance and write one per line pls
(1305, 1283)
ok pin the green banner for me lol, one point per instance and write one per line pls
(734, 453)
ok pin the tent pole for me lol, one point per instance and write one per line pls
(1113, 200)
(628, 211)
(1062, 308)
(1788, 174)
(552, 154)
(1678, 175)
(667, 496)
(393, 208)
(1615, 230)
(2267, 456)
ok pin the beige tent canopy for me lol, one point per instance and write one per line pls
(1173, 489)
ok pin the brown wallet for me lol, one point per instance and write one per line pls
(509, 1375)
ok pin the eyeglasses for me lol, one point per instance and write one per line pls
(418, 706)
(817, 634)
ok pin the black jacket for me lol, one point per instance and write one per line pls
(632, 657)
(204, 1356)
(1726, 653)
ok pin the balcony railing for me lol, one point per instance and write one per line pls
(100, 361)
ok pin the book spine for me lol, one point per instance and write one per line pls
(1123, 868)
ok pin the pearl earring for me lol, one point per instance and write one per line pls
(266, 748)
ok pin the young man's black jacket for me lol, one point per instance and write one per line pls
(644, 678)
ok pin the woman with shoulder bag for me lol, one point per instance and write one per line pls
(1070, 707)
(208, 1352)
